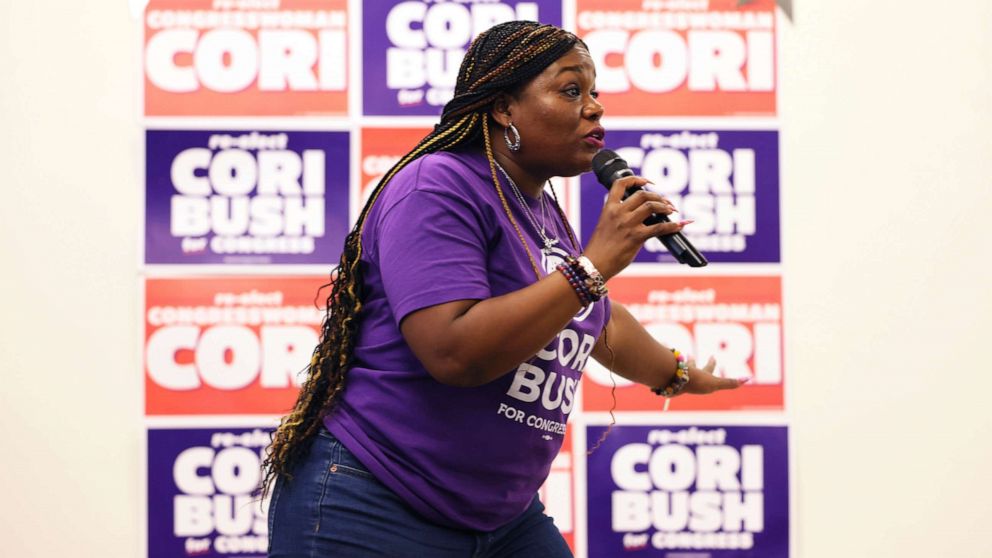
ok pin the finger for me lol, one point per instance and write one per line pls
(660, 229)
(710, 365)
(730, 383)
(639, 198)
(649, 195)
(619, 187)
(650, 208)
(703, 383)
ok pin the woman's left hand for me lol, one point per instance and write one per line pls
(702, 380)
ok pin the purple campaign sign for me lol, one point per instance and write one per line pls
(728, 182)
(200, 493)
(245, 197)
(681, 491)
(412, 50)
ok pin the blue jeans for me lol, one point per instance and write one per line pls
(334, 507)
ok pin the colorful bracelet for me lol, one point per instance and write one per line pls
(680, 380)
(591, 278)
(585, 298)
(594, 279)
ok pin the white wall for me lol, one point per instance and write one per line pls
(887, 157)
(887, 160)
(69, 215)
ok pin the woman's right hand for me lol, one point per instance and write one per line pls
(621, 232)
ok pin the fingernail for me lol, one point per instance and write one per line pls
(686, 222)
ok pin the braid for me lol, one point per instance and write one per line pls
(506, 56)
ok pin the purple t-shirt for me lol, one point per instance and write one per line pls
(465, 457)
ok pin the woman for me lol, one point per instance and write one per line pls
(460, 320)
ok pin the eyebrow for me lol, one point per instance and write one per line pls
(577, 68)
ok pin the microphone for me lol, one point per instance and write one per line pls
(609, 167)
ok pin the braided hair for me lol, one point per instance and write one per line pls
(499, 60)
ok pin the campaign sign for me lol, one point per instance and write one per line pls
(412, 50)
(690, 58)
(728, 182)
(557, 493)
(246, 58)
(689, 491)
(381, 149)
(201, 493)
(228, 345)
(737, 320)
(245, 197)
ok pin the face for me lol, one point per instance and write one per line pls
(557, 115)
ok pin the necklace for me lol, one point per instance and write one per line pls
(548, 241)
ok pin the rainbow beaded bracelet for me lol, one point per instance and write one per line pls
(680, 380)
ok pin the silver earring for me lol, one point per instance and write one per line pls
(511, 145)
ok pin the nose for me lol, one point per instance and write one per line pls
(593, 110)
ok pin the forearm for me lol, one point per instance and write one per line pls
(483, 340)
(630, 351)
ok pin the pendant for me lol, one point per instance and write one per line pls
(548, 245)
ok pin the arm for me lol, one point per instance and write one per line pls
(639, 358)
(472, 342)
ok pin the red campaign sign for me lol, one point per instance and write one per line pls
(381, 149)
(228, 345)
(737, 320)
(701, 58)
(220, 58)
(558, 491)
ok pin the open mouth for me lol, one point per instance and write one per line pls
(594, 139)
(598, 134)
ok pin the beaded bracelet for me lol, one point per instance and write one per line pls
(576, 282)
(592, 280)
(680, 380)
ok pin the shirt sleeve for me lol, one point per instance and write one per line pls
(431, 249)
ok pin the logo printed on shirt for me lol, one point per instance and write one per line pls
(550, 262)
(547, 382)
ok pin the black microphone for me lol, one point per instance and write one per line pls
(609, 167)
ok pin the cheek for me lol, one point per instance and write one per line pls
(555, 124)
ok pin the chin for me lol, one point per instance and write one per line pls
(575, 170)
(585, 163)
(575, 165)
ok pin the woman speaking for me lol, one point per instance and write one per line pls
(459, 321)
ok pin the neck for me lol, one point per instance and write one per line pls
(529, 184)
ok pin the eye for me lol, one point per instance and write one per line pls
(575, 92)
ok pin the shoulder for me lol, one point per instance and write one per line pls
(453, 187)
(460, 179)
(446, 173)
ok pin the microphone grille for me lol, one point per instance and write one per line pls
(605, 164)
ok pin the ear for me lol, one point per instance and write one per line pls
(502, 110)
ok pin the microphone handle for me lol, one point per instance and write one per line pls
(676, 243)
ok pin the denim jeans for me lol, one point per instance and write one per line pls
(335, 508)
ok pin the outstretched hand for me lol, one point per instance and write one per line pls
(702, 380)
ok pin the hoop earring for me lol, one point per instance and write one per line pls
(511, 145)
